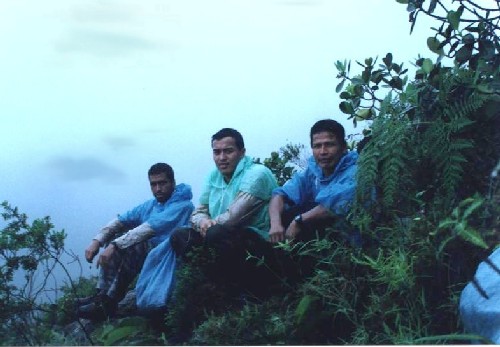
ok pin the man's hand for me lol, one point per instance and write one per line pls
(106, 256)
(292, 230)
(276, 233)
(205, 224)
(92, 250)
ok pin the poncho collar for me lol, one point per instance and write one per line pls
(346, 161)
(181, 192)
(244, 163)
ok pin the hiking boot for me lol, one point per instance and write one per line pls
(99, 309)
(89, 299)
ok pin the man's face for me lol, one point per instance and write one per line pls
(327, 151)
(161, 187)
(226, 156)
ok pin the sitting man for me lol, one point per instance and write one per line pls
(233, 206)
(312, 199)
(128, 239)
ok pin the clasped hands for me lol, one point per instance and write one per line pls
(104, 258)
(277, 232)
(204, 225)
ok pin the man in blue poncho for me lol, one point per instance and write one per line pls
(128, 239)
(233, 205)
(314, 198)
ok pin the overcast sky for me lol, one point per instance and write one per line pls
(95, 92)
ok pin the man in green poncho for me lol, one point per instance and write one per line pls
(233, 206)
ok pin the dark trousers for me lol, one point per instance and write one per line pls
(125, 265)
(238, 253)
(221, 238)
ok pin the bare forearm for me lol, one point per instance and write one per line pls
(276, 207)
(199, 215)
(241, 210)
(139, 234)
(317, 213)
(107, 233)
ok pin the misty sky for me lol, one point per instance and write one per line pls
(95, 92)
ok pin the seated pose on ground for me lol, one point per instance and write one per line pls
(313, 198)
(128, 239)
(233, 205)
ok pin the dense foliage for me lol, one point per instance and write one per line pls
(31, 256)
(427, 207)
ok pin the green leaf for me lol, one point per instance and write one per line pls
(340, 86)
(463, 54)
(387, 60)
(434, 45)
(473, 237)
(396, 68)
(474, 206)
(345, 95)
(303, 308)
(346, 107)
(363, 114)
(454, 17)
(486, 49)
(377, 76)
(340, 66)
(365, 75)
(468, 39)
(432, 6)
(402, 1)
(485, 88)
(427, 65)
(358, 90)
(396, 83)
(121, 334)
(447, 223)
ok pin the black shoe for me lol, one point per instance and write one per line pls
(98, 310)
(89, 299)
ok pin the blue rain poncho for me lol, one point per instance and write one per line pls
(254, 179)
(335, 192)
(162, 218)
(156, 277)
(480, 300)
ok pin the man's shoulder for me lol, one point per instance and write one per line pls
(257, 167)
(146, 205)
(258, 171)
(182, 192)
(349, 163)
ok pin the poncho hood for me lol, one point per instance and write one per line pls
(181, 192)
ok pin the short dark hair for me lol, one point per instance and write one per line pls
(160, 168)
(330, 126)
(229, 132)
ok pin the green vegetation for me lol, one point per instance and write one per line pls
(427, 206)
(30, 255)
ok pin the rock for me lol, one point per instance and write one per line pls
(79, 332)
(127, 306)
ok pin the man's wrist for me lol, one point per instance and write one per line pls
(298, 219)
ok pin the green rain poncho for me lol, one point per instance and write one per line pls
(251, 178)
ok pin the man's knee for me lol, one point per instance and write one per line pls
(217, 235)
(181, 239)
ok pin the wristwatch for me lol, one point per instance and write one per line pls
(298, 219)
